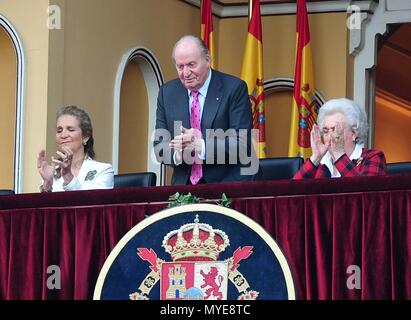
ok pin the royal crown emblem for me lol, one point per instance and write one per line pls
(195, 272)
(195, 252)
(195, 241)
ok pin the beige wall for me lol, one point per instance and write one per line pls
(8, 72)
(133, 121)
(29, 18)
(55, 89)
(329, 49)
(278, 123)
(97, 33)
(78, 64)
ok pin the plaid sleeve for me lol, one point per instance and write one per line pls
(371, 163)
(309, 171)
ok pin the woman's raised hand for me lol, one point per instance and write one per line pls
(318, 147)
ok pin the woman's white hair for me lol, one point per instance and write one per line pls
(356, 116)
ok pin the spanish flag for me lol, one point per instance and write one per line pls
(207, 28)
(252, 73)
(304, 105)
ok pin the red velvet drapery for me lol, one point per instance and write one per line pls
(322, 226)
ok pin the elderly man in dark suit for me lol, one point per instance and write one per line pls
(204, 121)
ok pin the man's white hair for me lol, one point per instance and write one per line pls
(201, 44)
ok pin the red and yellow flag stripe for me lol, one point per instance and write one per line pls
(207, 28)
(305, 105)
(252, 73)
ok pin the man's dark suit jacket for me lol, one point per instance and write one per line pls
(227, 106)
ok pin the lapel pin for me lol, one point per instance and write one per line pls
(217, 99)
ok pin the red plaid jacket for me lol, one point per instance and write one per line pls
(371, 163)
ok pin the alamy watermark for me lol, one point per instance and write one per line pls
(230, 147)
(54, 17)
(54, 278)
(354, 278)
(354, 18)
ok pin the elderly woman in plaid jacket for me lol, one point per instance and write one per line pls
(337, 144)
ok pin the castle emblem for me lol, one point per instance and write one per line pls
(195, 272)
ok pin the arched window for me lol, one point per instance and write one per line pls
(12, 104)
(138, 67)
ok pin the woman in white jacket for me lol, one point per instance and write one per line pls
(74, 167)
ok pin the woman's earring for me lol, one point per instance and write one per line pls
(84, 143)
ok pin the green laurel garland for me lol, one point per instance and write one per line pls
(178, 199)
